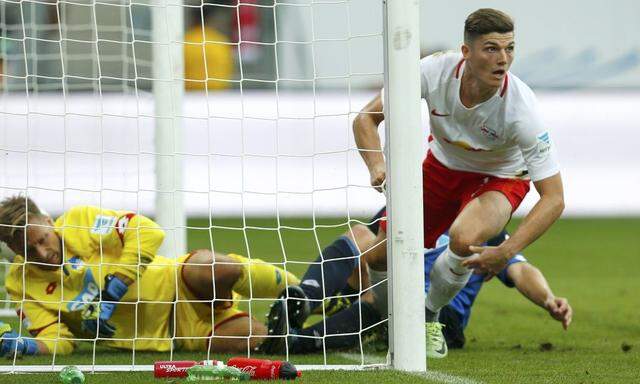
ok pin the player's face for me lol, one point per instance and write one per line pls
(43, 244)
(489, 57)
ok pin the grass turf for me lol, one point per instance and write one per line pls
(593, 262)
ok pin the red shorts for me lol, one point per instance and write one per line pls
(446, 192)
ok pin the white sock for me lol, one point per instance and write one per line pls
(380, 291)
(447, 278)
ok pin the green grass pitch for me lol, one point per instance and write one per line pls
(593, 262)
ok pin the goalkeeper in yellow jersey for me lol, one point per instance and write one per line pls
(93, 274)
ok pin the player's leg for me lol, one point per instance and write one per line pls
(343, 327)
(332, 269)
(481, 219)
(329, 275)
(211, 276)
(206, 273)
(376, 261)
(237, 335)
(453, 327)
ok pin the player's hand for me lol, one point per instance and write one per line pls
(559, 309)
(378, 175)
(12, 344)
(96, 315)
(489, 261)
(95, 322)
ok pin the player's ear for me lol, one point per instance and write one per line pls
(465, 50)
(48, 220)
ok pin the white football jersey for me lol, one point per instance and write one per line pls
(503, 136)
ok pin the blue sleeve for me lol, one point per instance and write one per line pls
(503, 276)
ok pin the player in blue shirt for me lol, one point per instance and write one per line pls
(339, 261)
(518, 273)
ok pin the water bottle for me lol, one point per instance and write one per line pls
(71, 375)
(261, 369)
(215, 372)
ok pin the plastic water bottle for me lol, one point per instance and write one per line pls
(215, 372)
(71, 375)
(261, 369)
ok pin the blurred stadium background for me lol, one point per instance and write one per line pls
(310, 71)
(271, 137)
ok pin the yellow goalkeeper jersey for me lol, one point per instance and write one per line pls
(98, 242)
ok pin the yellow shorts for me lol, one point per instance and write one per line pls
(195, 321)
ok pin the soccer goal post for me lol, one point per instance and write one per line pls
(405, 248)
(235, 114)
(168, 94)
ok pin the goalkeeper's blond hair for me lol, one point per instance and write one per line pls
(13, 217)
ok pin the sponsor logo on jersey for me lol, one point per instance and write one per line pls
(466, 146)
(544, 143)
(51, 287)
(123, 223)
(103, 225)
(89, 292)
(489, 132)
(76, 263)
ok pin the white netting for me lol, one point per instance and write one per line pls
(269, 136)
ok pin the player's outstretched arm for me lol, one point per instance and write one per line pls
(534, 286)
(12, 344)
(365, 130)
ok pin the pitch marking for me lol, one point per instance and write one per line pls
(437, 376)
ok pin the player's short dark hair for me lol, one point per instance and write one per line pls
(486, 20)
(13, 217)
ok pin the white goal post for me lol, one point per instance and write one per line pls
(405, 244)
(93, 111)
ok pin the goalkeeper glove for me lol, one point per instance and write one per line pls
(11, 343)
(95, 317)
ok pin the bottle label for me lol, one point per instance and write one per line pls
(169, 368)
(250, 369)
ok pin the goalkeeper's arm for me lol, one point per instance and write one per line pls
(141, 237)
(54, 337)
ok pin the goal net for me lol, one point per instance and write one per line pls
(229, 123)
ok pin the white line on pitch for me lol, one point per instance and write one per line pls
(440, 377)
(447, 378)
(368, 359)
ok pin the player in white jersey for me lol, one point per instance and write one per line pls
(487, 142)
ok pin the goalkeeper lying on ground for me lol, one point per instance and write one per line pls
(340, 260)
(94, 273)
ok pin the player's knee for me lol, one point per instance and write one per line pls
(226, 271)
(235, 335)
(460, 241)
(362, 236)
(376, 256)
(197, 270)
